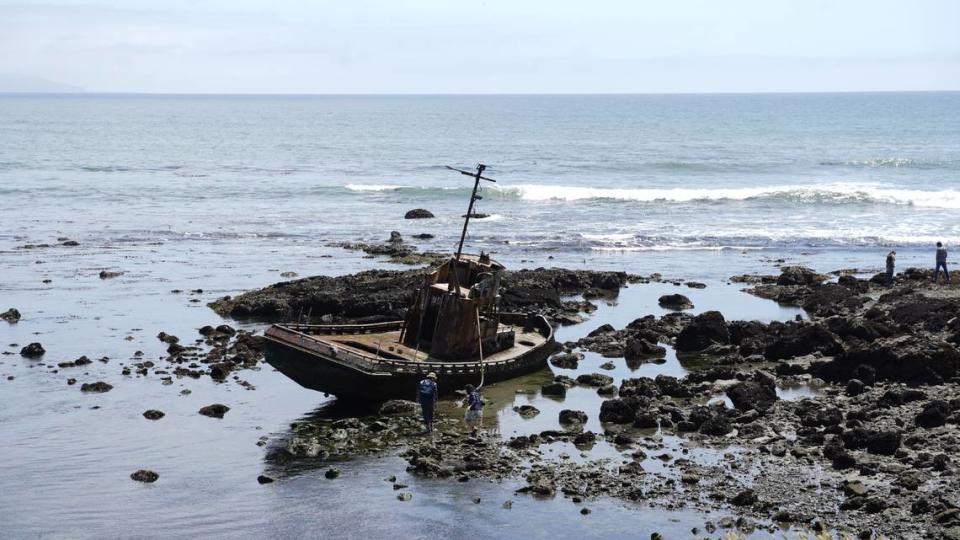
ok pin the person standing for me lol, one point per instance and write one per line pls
(474, 414)
(941, 263)
(891, 262)
(427, 393)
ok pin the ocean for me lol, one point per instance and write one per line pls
(214, 195)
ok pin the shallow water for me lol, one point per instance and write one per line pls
(65, 474)
(225, 194)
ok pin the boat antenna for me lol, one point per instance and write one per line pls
(477, 176)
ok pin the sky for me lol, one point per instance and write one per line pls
(482, 46)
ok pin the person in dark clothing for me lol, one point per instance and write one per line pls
(474, 414)
(891, 262)
(427, 393)
(941, 263)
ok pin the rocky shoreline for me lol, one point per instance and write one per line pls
(867, 449)
(870, 451)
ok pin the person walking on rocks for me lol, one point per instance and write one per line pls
(891, 262)
(941, 263)
(427, 393)
(474, 414)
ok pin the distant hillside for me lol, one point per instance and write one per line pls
(27, 84)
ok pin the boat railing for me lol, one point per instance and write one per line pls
(300, 335)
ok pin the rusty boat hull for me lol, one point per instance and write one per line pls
(369, 362)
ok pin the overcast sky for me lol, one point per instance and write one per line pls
(492, 46)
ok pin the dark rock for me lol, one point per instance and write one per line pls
(216, 410)
(759, 393)
(745, 498)
(934, 414)
(423, 236)
(717, 425)
(704, 330)
(220, 370)
(799, 275)
(604, 329)
(568, 416)
(640, 386)
(395, 237)
(168, 338)
(226, 330)
(622, 439)
(799, 339)
(153, 414)
(640, 349)
(855, 387)
(675, 301)
(33, 350)
(645, 420)
(844, 460)
(70, 243)
(331, 473)
(264, 480)
(526, 411)
(883, 442)
(608, 390)
(566, 360)
(541, 484)
(418, 213)
(594, 379)
(814, 414)
(107, 274)
(921, 312)
(144, 475)
(909, 358)
(97, 387)
(554, 389)
(831, 299)
(11, 315)
(618, 411)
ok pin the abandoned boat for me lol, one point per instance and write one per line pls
(453, 328)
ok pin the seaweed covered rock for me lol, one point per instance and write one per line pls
(799, 275)
(798, 339)
(759, 393)
(418, 213)
(911, 358)
(704, 330)
(216, 410)
(33, 350)
(380, 295)
(11, 315)
(675, 301)
(566, 360)
(618, 410)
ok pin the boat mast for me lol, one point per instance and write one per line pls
(477, 176)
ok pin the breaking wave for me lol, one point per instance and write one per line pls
(896, 163)
(838, 193)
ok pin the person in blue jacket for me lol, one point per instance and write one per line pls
(474, 414)
(941, 263)
(427, 393)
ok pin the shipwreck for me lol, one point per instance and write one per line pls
(453, 328)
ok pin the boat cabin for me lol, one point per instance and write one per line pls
(455, 315)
